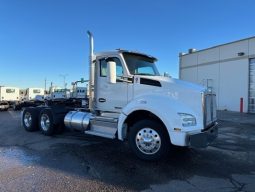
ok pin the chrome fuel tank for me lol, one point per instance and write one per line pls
(77, 120)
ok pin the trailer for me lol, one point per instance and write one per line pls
(130, 101)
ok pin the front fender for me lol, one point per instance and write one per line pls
(164, 107)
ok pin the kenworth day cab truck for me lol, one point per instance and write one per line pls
(129, 100)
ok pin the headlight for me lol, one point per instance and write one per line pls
(187, 119)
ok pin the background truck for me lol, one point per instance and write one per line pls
(60, 94)
(9, 94)
(22, 94)
(29, 97)
(34, 94)
(129, 100)
(78, 91)
(4, 106)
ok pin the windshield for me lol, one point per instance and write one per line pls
(140, 65)
(36, 91)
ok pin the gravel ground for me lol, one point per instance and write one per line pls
(75, 162)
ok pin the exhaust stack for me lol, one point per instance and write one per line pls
(91, 70)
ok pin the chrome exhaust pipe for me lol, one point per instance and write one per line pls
(91, 44)
(91, 70)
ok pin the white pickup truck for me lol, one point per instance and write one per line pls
(129, 100)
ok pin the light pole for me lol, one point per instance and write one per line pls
(64, 78)
(45, 86)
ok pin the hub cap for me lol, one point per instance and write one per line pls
(45, 122)
(27, 119)
(148, 141)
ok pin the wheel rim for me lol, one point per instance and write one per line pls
(148, 141)
(45, 122)
(28, 119)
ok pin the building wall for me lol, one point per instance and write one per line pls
(228, 71)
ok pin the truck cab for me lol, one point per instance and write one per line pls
(135, 86)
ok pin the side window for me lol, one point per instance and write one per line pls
(103, 67)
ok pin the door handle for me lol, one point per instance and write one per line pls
(101, 100)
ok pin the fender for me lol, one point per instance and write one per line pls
(164, 107)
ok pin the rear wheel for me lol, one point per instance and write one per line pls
(46, 122)
(149, 140)
(29, 119)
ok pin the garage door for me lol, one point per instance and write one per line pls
(251, 106)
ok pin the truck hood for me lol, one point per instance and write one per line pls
(167, 84)
(186, 93)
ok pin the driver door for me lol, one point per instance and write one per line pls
(110, 97)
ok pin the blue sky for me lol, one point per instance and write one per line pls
(45, 38)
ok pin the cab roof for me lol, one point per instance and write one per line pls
(117, 51)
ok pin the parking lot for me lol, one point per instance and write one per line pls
(75, 162)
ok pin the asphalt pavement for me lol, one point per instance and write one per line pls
(75, 162)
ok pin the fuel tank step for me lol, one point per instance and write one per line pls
(100, 134)
(102, 128)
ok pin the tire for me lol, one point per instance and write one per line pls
(46, 122)
(155, 149)
(30, 119)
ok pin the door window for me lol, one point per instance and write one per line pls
(103, 67)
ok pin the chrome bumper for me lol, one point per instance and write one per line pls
(203, 139)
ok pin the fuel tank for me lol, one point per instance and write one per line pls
(77, 120)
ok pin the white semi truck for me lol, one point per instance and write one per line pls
(22, 94)
(78, 91)
(34, 94)
(129, 100)
(29, 97)
(10, 94)
(56, 92)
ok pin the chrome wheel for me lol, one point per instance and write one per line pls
(45, 122)
(148, 141)
(28, 119)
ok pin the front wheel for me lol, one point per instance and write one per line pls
(149, 140)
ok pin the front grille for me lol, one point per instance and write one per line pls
(209, 109)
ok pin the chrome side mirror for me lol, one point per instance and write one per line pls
(111, 72)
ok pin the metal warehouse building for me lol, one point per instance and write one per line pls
(228, 69)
